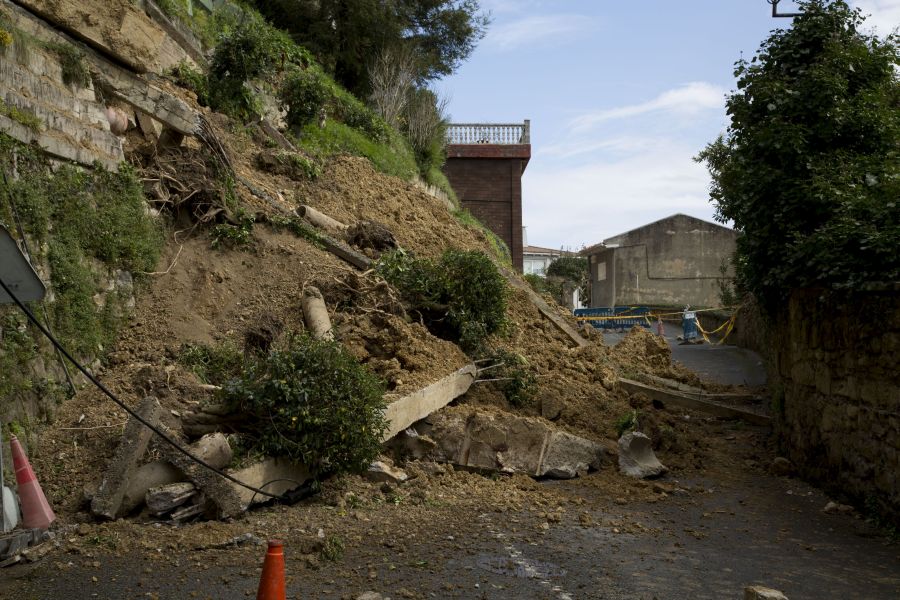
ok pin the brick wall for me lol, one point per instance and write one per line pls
(488, 180)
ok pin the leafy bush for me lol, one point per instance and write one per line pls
(515, 377)
(191, 79)
(537, 283)
(627, 422)
(809, 170)
(572, 268)
(305, 93)
(314, 403)
(462, 295)
(212, 364)
(253, 51)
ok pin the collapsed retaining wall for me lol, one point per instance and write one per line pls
(838, 394)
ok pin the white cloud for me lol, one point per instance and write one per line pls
(535, 29)
(885, 14)
(571, 206)
(687, 100)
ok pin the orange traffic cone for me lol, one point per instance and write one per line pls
(271, 582)
(36, 511)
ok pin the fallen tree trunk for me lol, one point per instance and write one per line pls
(321, 220)
(315, 314)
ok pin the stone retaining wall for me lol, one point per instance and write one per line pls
(837, 390)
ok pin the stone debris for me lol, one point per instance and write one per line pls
(161, 500)
(505, 442)
(757, 592)
(636, 457)
(370, 596)
(384, 471)
(833, 508)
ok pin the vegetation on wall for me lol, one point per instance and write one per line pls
(83, 225)
(461, 296)
(809, 169)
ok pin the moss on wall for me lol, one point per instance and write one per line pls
(82, 227)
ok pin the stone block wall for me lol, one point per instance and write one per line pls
(836, 364)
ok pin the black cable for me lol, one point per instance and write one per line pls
(112, 397)
(15, 212)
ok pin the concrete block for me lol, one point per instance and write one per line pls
(108, 499)
(402, 413)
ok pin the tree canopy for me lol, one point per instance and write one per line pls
(809, 169)
(347, 35)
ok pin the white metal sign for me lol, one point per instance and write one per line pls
(17, 273)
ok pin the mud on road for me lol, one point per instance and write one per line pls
(452, 534)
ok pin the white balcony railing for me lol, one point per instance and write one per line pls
(489, 133)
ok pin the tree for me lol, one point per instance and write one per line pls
(809, 169)
(347, 35)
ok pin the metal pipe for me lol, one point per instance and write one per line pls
(776, 14)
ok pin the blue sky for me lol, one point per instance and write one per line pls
(621, 95)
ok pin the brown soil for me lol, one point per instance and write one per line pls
(206, 296)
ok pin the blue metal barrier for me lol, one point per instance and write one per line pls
(618, 317)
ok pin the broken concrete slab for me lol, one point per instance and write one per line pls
(15, 543)
(164, 498)
(402, 413)
(273, 475)
(758, 592)
(636, 457)
(108, 500)
(683, 400)
(220, 500)
(213, 449)
(498, 441)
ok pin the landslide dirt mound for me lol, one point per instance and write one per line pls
(206, 296)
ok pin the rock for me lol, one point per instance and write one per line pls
(384, 471)
(164, 498)
(834, 508)
(370, 596)
(636, 457)
(757, 592)
(781, 467)
(494, 441)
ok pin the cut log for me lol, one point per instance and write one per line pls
(162, 499)
(107, 502)
(321, 220)
(315, 314)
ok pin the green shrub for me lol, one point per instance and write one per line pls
(305, 93)
(537, 283)
(498, 247)
(627, 422)
(191, 79)
(212, 364)
(462, 296)
(313, 403)
(516, 378)
(74, 70)
(228, 235)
